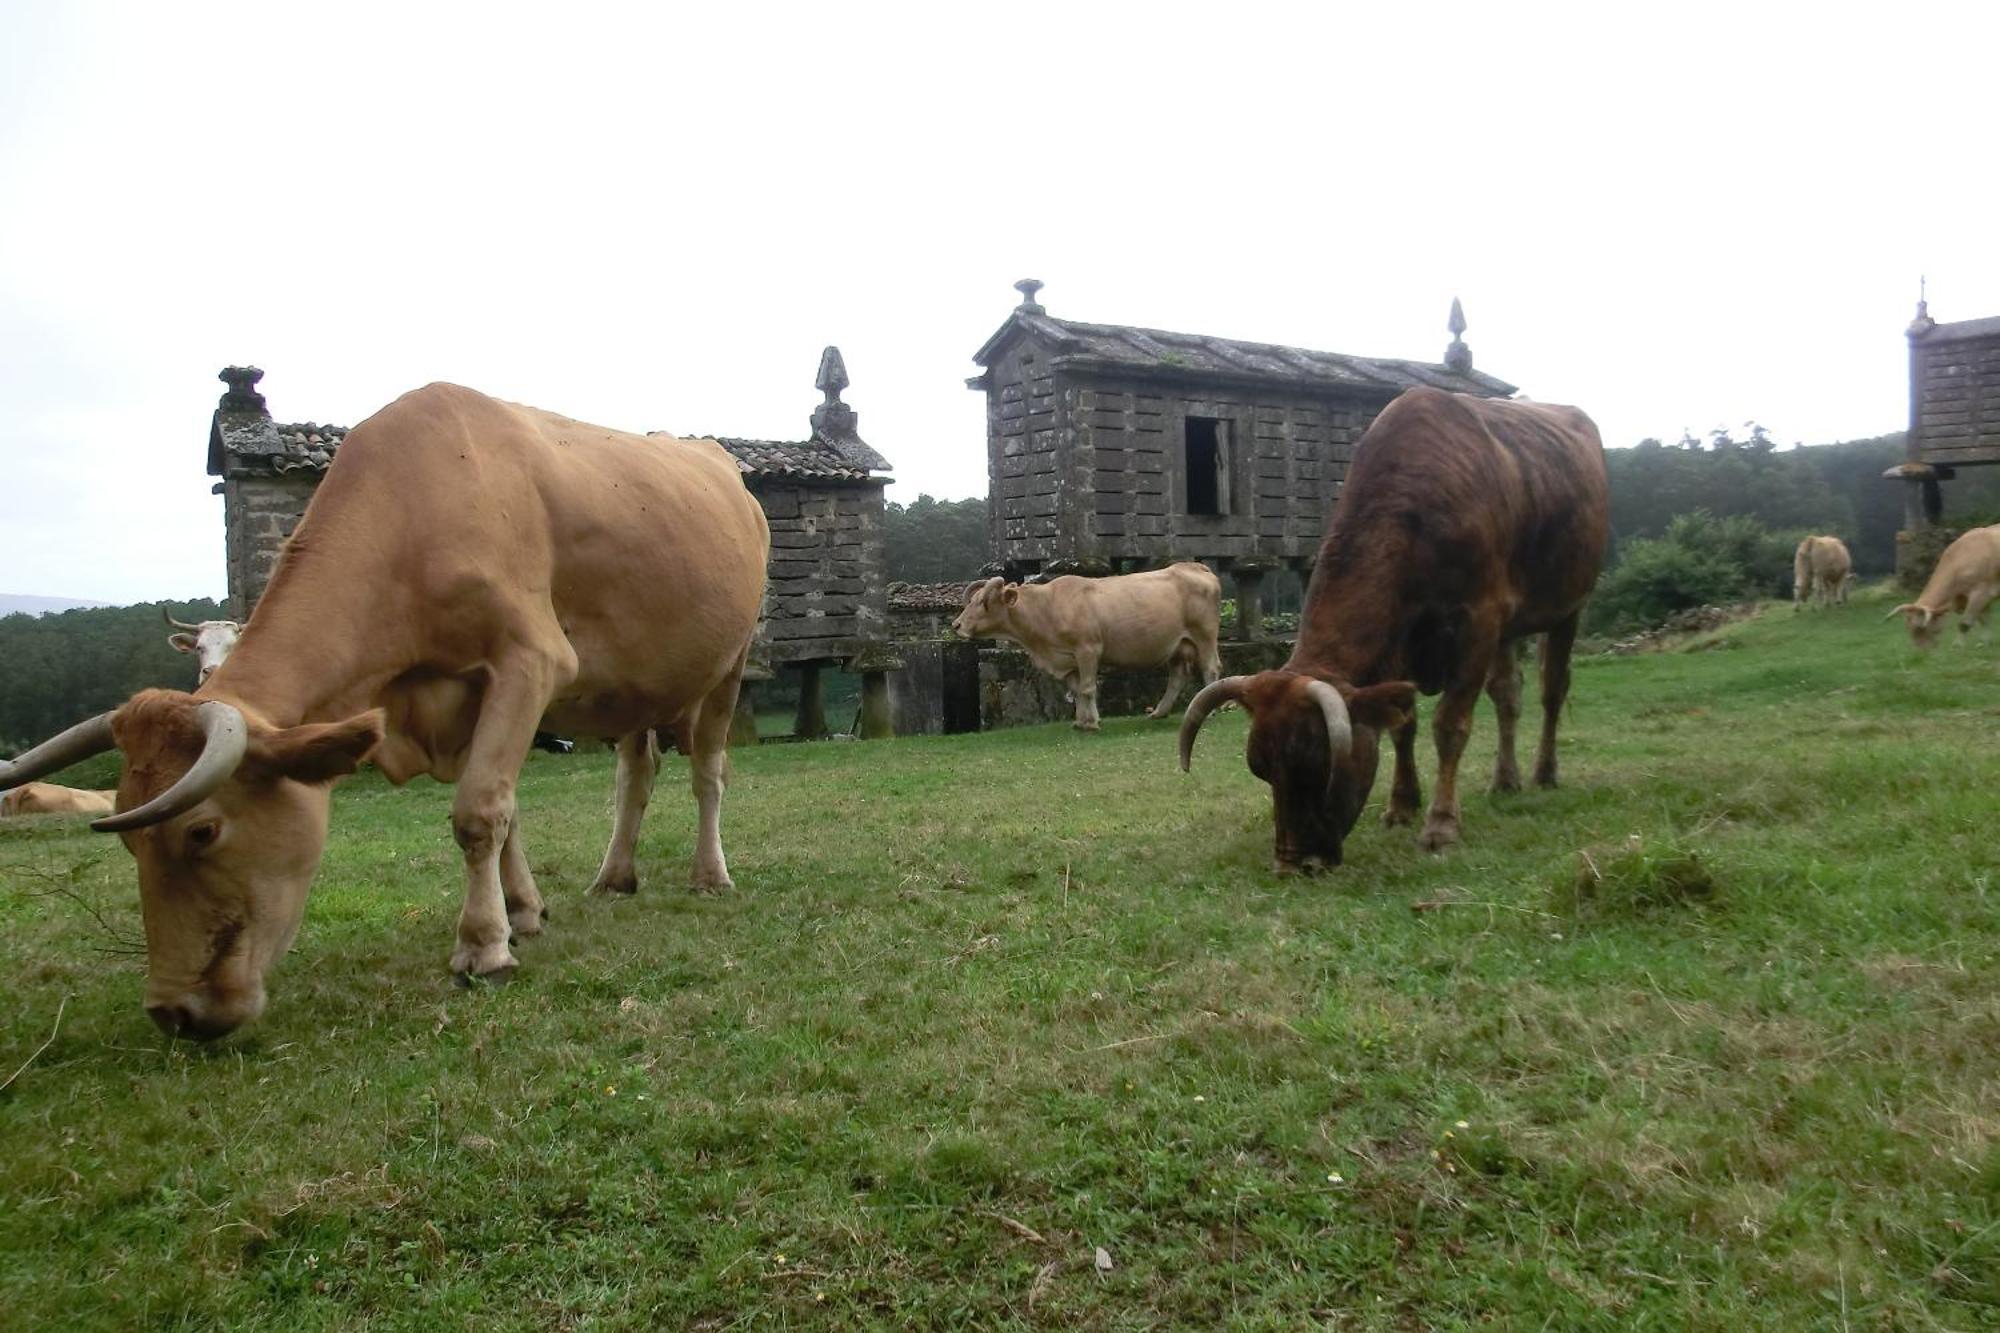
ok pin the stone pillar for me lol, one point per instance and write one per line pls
(1248, 574)
(874, 663)
(809, 723)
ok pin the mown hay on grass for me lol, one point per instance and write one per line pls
(1634, 878)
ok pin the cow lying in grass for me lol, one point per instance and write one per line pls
(1072, 626)
(1966, 581)
(46, 798)
(1821, 571)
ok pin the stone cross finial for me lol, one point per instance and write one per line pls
(832, 376)
(242, 395)
(1028, 287)
(1923, 323)
(1458, 356)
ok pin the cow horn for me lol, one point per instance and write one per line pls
(1912, 606)
(1213, 695)
(1339, 731)
(80, 742)
(225, 738)
(168, 616)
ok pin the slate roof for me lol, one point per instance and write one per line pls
(1158, 352)
(1964, 328)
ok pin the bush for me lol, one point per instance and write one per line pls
(1918, 552)
(1700, 560)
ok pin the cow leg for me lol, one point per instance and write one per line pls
(1406, 794)
(1557, 645)
(482, 812)
(525, 912)
(1085, 688)
(638, 763)
(1503, 686)
(710, 765)
(1176, 677)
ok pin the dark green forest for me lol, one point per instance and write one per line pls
(1693, 520)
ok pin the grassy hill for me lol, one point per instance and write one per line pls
(1708, 1038)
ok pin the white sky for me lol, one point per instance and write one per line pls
(654, 217)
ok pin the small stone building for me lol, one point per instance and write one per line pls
(269, 472)
(1112, 448)
(1954, 410)
(826, 601)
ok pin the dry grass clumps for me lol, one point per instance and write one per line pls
(1634, 878)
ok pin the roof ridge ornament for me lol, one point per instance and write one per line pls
(832, 377)
(1923, 323)
(1458, 356)
(1029, 288)
(242, 395)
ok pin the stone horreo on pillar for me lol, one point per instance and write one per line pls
(1112, 448)
(1954, 417)
(827, 606)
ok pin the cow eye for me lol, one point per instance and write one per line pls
(202, 836)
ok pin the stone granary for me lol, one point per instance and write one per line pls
(269, 472)
(827, 600)
(1111, 448)
(1954, 411)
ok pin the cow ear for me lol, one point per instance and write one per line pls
(182, 642)
(1011, 594)
(1384, 707)
(316, 751)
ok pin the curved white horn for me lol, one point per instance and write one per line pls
(225, 740)
(80, 742)
(1339, 731)
(168, 616)
(1213, 695)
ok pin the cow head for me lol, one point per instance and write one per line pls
(988, 609)
(210, 641)
(226, 816)
(1925, 625)
(1316, 743)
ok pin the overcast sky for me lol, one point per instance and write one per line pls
(654, 217)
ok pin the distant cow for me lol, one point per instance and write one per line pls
(1821, 570)
(1072, 626)
(210, 641)
(1464, 525)
(1966, 581)
(46, 798)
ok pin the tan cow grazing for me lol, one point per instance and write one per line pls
(46, 798)
(466, 567)
(1464, 525)
(1821, 570)
(1966, 581)
(209, 641)
(1072, 627)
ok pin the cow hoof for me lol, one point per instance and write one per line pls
(710, 884)
(527, 921)
(1085, 726)
(493, 962)
(1396, 817)
(499, 976)
(1437, 837)
(1505, 784)
(1545, 778)
(623, 886)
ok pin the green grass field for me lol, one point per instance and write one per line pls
(1709, 1038)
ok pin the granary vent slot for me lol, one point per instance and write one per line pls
(1208, 466)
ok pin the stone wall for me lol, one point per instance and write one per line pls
(1014, 693)
(259, 513)
(828, 577)
(937, 691)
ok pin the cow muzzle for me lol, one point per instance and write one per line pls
(203, 1016)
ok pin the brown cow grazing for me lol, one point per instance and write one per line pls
(1821, 569)
(210, 641)
(1966, 581)
(1072, 626)
(46, 798)
(467, 567)
(1464, 525)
